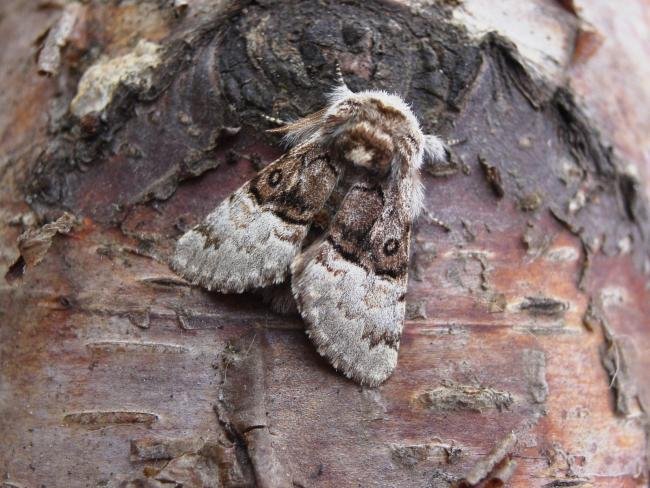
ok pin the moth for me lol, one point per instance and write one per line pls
(350, 283)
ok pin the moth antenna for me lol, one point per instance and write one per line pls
(299, 130)
(274, 120)
(456, 142)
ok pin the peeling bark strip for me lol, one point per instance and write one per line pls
(614, 357)
(103, 419)
(545, 306)
(190, 463)
(453, 397)
(497, 455)
(493, 177)
(411, 455)
(140, 318)
(593, 317)
(155, 449)
(242, 410)
(49, 57)
(34, 244)
(189, 470)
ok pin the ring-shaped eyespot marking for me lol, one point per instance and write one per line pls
(391, 246)
(274, 178)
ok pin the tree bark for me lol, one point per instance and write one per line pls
(524, 358)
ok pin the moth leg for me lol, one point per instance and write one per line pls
(435, 220)
(454, 142)
(339, 75)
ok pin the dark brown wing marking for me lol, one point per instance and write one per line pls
(296, 186)
(370, 233)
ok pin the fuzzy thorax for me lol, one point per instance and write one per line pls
(372, 130)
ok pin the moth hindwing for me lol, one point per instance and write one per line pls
(350, 285)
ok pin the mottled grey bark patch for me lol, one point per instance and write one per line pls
(535, 371)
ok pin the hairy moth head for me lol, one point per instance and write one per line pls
(373, 130)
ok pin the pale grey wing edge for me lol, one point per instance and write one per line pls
(355, 318)
(239, 246)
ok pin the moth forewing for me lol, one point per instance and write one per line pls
(251, 238)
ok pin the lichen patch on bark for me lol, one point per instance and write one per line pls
(98, 84)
